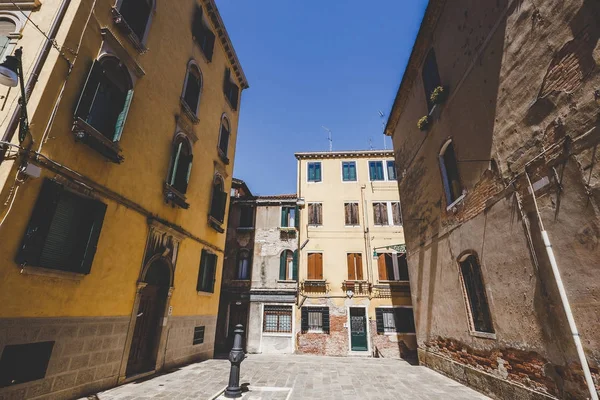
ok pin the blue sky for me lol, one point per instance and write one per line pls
(311, 63)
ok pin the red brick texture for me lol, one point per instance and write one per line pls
(333, 344)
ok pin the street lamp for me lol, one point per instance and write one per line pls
(11, 74)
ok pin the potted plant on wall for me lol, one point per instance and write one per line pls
(439, 95)
(423, 123)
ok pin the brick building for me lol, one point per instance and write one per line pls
(500, 192)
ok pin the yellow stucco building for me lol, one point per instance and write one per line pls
(354, 294)
(113, 208)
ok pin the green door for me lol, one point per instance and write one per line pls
(358, 330)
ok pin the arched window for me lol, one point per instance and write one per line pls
(219, 200)
(478, 308)
(136, 14)
(181, 164)
(106, 98)
(243, 271)
(450, 177)
(288, 265)
(224, 137)
(7, 27)
(192, 89)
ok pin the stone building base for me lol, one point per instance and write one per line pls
(483, 382)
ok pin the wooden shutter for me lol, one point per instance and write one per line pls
(304, 320)
(377, 213)
(284, 217)
(221, 203)
(348, 213)
(123, 116)
(379, 317)
(224, 140)
(354, 213)
(311, 265)
(295, 266)
(88, 94)
(282, 261)
(97, 211)
(351, 267)
(39, 224)
(175, 164)
(383, 276)
(383, 213)
(359, 269)
(325, 319)
(396, 213)
(319, 266)
(319, 214)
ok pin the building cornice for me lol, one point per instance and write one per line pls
(344, 154)
(419, 50)
(215, 17)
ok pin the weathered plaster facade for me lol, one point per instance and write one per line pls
(522, 79)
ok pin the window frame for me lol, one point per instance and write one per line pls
(395, 332)
(325, 319)
(240, 259)
(288, 273)
(308, 254)
(308, 214)
(205, 28)
(275, 308)
(199, 288)
(242, 222)
(430, 57)
(219, 219)
(193, 114)
(358, 269)
(12, 37)
(387, 170)
(288, 217)
(14, 353)
(467, 297)
(139, 42)
(446, 184)
(308, 165)
(231, 88)
(395, 267)
(355, 171)
(346, 224)
(389, 212)
(225, 123)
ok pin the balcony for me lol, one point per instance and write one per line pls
(314, 286)
(386, 289)
(357, 287)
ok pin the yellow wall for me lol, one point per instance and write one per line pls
(146, 145)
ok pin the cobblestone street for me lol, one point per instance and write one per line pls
(300, 377)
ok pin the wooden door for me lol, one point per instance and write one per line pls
(358, 330)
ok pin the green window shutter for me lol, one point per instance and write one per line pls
(326, 319)
(284, 217)
(282, 260)
(311, 172)
(88, 94)
(212, 277)
(304, 320)
(123, 116)
(379, 170)
(372, 170)
(96, 213)
(345, 171)
(379, 317)
(352, 171)
(297, 218)
(295, 270)
(189, 160)
(175, 164)
(201, 271)
(39, 224)
(219, 204)
(318, 172)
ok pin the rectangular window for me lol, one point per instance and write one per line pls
(198, 335)
(288, 217)
(315, 266)
(479, 309)
(315, 320)
(351, 214)
(431, 77)
(380, 214)
(314, 172)
(376, 171)
(395, 320)
(231, 90)
(349, 171)
(355, 269)
(277, 319)
(24, 362)
(392, 267)
(391, 171)
(63, 230)
(288, 265)
(315, 214)
(207, 273)
(202, 34)
(396, 214)
(246, 217)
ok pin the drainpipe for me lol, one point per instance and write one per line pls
(565, 301)
(370, 276)
(33, 77)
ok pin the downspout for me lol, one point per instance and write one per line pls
(368, 257)
(33, 77)
(563, 297)
(299, 196)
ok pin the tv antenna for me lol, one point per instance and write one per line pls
(328, 137)
(382, 116)
(370, 144)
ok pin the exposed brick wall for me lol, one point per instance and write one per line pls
(333, 344)
(390, 346)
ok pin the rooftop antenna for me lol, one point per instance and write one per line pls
(328, 137)
(382, 116)
(370, 144)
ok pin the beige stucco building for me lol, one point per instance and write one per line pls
(354, 295)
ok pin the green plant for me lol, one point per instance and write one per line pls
(423, 123)
(438, 96)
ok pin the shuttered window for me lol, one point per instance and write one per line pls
(396, 214)
(231, 90)
(21, 363)
(193, 88)
(391, 170)
(224, 137)
(315, 320)
(349, 171)
(181, 165)
(288, 217)
(207, 272)
(315, 266)
(355, 269)
(395, 320)
(202, 34)
(6, 28)
(246, 217)
(315, 214)
(136, 14)
(380, 213)
(277, 319)
(450, 176)
(219, 200)
(376, 171)
(392, 267)
(431, 77)
(63, 231)
(351, 214)
(288, 265)
(479, 310)
(314, 172)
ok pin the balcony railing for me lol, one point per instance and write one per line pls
(357, 287)
(314, 286)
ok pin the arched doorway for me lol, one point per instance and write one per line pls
(148, 322)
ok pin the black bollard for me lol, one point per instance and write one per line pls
(236, 356)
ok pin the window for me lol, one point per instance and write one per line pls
(288, 217)
(198, 335)
(479, 310)
(386, 213)
(392, 267)
(376, 171)
(219, 200)
(181, 165)
(24, 362)
(224, 139)
(7, 27)
(431, 77)
(246, 217)
(63, 231)
(207, 272)
(315, 214)
(391, 170)
(351, 214)
(136, 14)
(315, 320)
(192, 90)
(396, 213)
(315, 266)
(202, 34)
(277, 319)
(349, 171)
(355, 270)
(380, 213)
(288, 265)
(231, 90)
(314, 172)
(450, 178)
(243, 271)
(395, 320)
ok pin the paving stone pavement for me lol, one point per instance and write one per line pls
(308, 377)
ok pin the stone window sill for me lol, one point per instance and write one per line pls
(207, 294)
(275, 334)
(88, 135)
(286, 281)
(174, 196)
(483, 335)
(52, 273)
(398, 334)
(126, 29)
